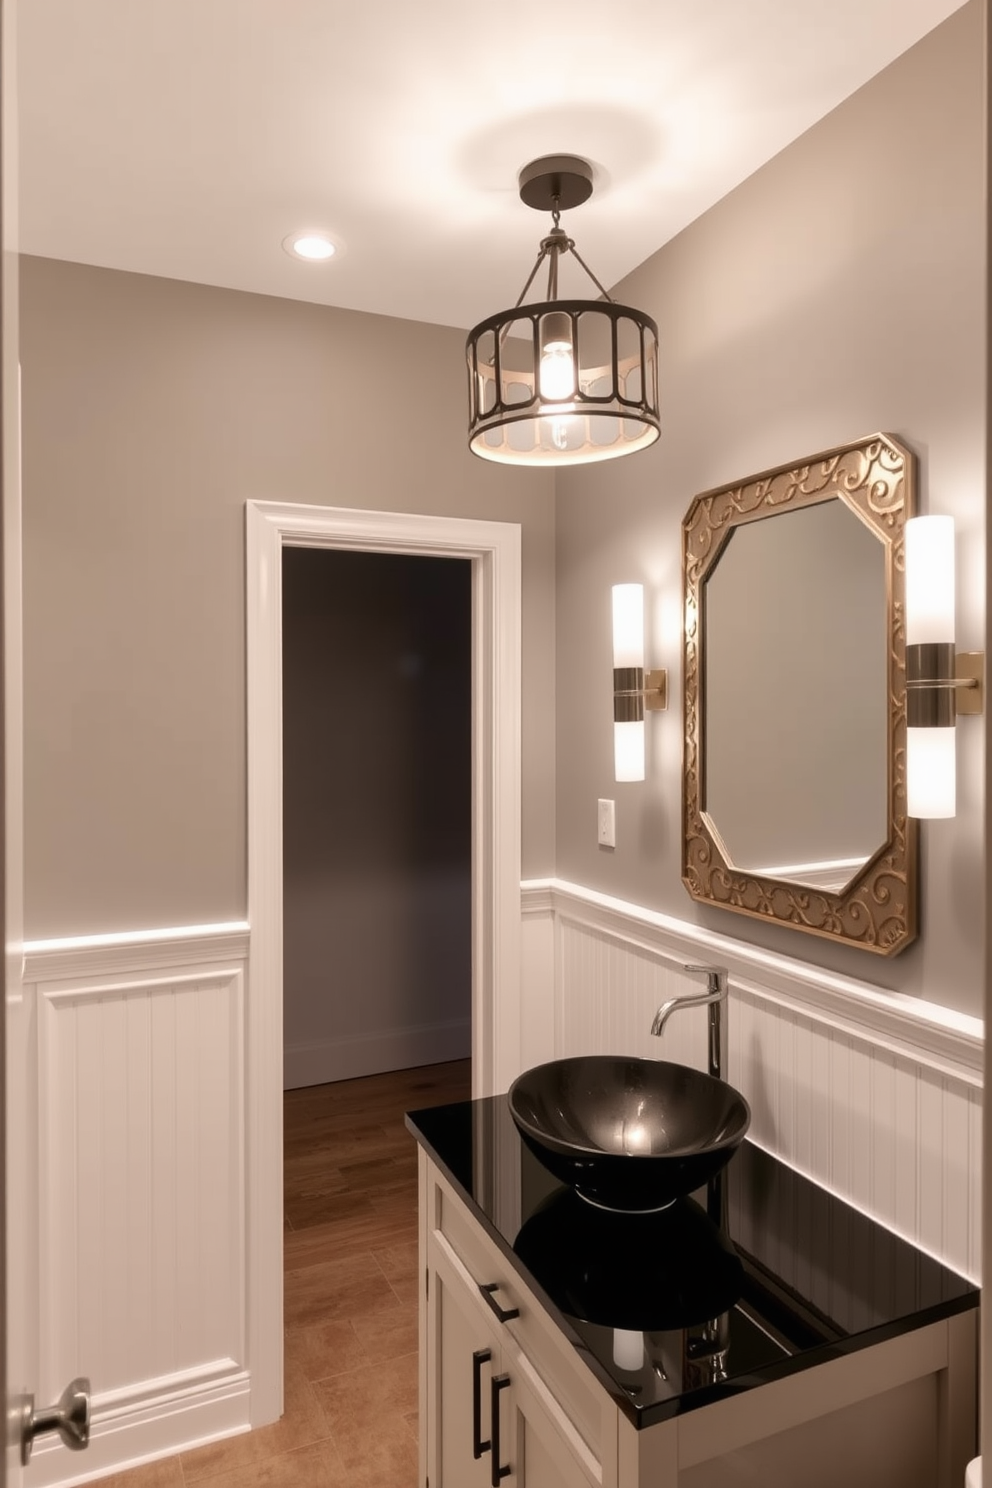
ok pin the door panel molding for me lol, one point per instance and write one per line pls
(142, 1204)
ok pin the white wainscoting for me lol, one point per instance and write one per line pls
(140, 1131)
(872, 1094)
(142, 1217)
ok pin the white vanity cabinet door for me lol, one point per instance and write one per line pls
(543, 1395)
(484, 1393)
(459, 1382)
(535, 1441)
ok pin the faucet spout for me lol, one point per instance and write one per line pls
(661, 1017)
(714, 998)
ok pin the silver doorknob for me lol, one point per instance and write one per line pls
(70, 1417)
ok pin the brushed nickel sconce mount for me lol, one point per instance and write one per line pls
(635, 690)
(943, 684)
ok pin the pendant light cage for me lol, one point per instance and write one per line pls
(562, 382)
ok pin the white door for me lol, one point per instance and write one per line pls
(18, 1287)
(463, 1363)
(21, 1369)
(13, 1070)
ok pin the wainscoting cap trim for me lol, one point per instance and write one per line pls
(935, 1035)
(537, 896)
(134, 950)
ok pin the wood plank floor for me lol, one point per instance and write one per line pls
(350, 1300)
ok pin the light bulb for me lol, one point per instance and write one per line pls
(559, 433)
(313, 247)
(557, 372)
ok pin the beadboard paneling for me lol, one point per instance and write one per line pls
(873, 1095)
(141, 1189)
(537, 979)
(140, 1134)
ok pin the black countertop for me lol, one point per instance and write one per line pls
(760, 1275)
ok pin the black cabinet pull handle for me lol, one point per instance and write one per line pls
(480, 1357)
(503, 1313)
(497, 1383)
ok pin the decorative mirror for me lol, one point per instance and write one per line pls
(794, 768)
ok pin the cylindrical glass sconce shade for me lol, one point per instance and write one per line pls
(929, 580)
(930, 772)
(930, 735)
(628, 750)
(628, 677)
(628, 625)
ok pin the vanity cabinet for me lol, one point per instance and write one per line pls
(849, 1359)
(499, 1395)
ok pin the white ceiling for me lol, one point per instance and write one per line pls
(187, 138)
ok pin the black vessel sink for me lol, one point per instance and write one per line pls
(628, 1134)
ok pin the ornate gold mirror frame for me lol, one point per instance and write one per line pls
(876, 909)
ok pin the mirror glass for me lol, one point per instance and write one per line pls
(795, 696)
(794, 686)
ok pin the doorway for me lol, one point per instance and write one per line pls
(493, 552)
(377, 813)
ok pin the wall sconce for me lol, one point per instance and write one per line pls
(632, 690)
(940, 683)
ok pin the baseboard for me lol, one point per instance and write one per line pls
(373, 1053)
(155, 1419)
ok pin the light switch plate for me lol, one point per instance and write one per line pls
(607, 836)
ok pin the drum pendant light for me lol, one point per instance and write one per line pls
(561, 382)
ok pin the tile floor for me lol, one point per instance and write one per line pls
(350, 1302)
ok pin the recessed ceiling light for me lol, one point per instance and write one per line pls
(314, 247)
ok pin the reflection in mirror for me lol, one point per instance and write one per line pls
(794, 763)
(795, 696)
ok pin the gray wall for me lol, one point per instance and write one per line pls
(377, 812)
(153, 410)
(838, 290)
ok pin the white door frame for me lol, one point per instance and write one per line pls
(493, 548)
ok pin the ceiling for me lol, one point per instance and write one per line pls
(187, 138)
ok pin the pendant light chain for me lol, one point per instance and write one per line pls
(552, 247)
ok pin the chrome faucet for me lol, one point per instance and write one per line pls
(714, 997)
